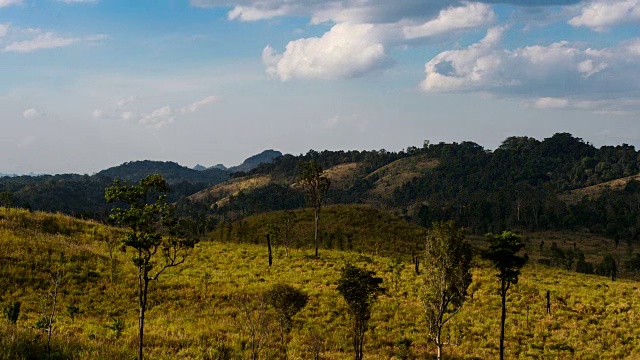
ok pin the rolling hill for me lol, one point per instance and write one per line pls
(199, 309)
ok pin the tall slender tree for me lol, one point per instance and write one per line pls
(447, 277)
(153, 234)
(315, 185)
(503, 253)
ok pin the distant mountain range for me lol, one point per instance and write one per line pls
(83, 195)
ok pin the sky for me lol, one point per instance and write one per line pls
(90, 84)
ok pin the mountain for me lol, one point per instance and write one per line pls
(252, 162)
(171, 171)
(199, 168)
(219, 166)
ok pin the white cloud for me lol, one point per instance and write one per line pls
(158, 118)
(43, 41)
(47, 40)
(128, 109)
(600, 15)
(4, 29)
(559, 74)
(5, 3)
(193, 107)
(31, 114)
(252, 14)
(454, 18)
(551, 103)
(487, 66)
(347, 50)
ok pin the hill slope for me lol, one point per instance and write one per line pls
(595, 191)
(198, 309)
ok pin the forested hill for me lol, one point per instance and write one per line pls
(171, 171)
(521, 184)
(518, 185)
(83, 195)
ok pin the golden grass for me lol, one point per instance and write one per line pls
(400, 172)
(221, 192)
(593, 192)
(193, 312)
(342, 176)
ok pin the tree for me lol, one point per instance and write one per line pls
(288, 219)
(7, 199)
(153, 233)
(287, 302)
(315, 185)
(360, 289)
(502, 252)
(447, 277)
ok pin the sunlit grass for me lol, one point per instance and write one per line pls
(194, 312)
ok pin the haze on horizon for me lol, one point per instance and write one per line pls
(90, 84)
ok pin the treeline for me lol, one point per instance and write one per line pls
(83, 195)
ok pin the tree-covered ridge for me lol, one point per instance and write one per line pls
(518, 185)
(172, 172)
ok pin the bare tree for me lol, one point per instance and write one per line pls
(46, 323)
(254, 320)
(315, 185)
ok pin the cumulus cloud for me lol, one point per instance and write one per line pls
(553, 73)
(351, 48)
(600, 15)
(486, 65)
(5, 3)
(347, 50)
(454, 18)
(31, 114)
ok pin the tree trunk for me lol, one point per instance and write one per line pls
(439, 344)
(315, 236)
(143, 286)
(269, 247)
(502, 320)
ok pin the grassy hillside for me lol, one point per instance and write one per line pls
(595, 191)
(398, 173)
(357, 228)
(220, 193)
(198, 310)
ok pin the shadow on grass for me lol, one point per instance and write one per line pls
(22, 344)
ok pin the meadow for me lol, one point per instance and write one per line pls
(211, 307)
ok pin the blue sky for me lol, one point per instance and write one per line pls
(91, 84)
